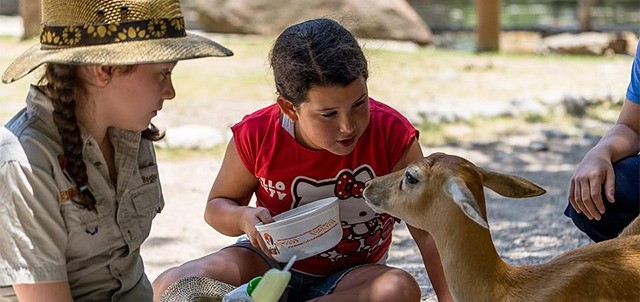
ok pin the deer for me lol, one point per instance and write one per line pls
(632, 229)
(443, 195)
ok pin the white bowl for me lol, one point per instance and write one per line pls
(304, 231)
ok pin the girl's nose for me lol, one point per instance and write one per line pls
(169, 92)
(347, 124)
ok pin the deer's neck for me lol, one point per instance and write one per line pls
(471, 264)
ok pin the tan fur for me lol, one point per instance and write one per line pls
(632, 229)
(443, 194)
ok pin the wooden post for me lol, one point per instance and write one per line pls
(30, 12)
(584, 15)
(488, 25)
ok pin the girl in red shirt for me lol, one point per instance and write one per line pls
(324, 137)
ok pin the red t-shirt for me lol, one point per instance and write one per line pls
(291, 175)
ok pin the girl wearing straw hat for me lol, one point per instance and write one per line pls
(78, 175)
(324, 138)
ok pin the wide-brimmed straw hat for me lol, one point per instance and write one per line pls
(112, 32)
(196, 289)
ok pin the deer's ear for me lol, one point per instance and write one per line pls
(509, 185)
(463, 197)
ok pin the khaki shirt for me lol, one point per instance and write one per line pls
(45, 237)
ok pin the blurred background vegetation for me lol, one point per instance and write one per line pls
(549, 15)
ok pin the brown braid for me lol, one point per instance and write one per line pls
(61, 84)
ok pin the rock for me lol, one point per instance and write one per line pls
(376, 19)
(538, 146)
(575, 105)
(520, 41)
(191, 137)
(586, 43)
(631, 41)
(522, 106)
(554, 134)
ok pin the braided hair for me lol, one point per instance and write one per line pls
(62, 84)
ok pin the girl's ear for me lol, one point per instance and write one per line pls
(98, 75)
(288, 108)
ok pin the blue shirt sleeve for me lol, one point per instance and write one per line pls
(633, 91)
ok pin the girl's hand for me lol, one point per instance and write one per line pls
(250, 217)
(585, 191)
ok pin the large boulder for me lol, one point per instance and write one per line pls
(376, 19)
(590, 43)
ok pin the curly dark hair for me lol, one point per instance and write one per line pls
(61, 84)
(315, 53)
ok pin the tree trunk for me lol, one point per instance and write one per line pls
(488, 25)
(584, 15)
(30, 12)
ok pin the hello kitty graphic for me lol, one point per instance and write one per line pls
(364, 230)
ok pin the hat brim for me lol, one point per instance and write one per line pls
(196, 289)
(125, 53)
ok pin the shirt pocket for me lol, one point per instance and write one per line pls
(78, 219)
(147, 202)
(84, 234)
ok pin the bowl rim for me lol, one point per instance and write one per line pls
(307, 211)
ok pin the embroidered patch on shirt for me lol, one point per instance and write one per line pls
(70, 194)
(149, 178)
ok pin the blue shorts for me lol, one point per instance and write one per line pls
(302, 287)
(619, 214)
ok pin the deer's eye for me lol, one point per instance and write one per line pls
(410, 179)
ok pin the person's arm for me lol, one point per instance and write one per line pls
(413, 153)
(32, 230)
(54, 292)
(227, 210)
(595, 171)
